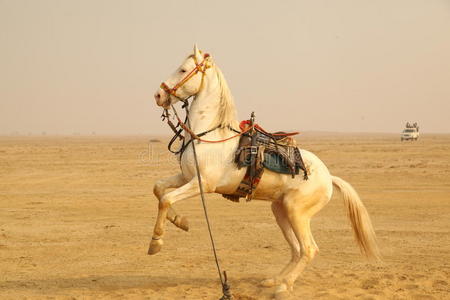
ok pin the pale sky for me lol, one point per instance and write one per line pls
(348, 65)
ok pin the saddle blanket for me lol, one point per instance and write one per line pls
(276, 163)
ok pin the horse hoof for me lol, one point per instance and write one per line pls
(155, 247)
(281, 295)
(184, 224)
(270, 282)
(282, 292)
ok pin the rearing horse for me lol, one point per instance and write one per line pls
(294, 200)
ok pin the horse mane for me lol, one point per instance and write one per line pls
(226, 116)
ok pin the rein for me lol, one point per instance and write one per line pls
(244, 127)
(182, 125)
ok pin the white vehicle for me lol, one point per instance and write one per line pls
(411, 132)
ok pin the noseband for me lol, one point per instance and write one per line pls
(199, 67)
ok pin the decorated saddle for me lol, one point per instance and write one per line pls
(259, 150)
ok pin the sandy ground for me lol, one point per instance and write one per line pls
(77, 214)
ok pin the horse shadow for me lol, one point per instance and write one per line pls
(119, 282)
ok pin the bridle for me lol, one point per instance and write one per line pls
(178, 129)
(199, 67)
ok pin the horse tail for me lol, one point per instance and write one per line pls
(359, 219)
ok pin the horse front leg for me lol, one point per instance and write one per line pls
(159, 189)
(188, 190)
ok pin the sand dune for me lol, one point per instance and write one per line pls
(77, 214)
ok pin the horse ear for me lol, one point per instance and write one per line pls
(197, 52)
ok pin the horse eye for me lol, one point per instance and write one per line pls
(182, 71)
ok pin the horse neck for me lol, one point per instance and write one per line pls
(209, 104)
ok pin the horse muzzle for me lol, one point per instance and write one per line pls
(162, 98)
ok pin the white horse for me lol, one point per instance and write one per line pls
(294, 200)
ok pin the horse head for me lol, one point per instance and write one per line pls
(186, 81)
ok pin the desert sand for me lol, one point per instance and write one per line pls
(77, 215)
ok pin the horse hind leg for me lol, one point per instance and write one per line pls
(299, 215)
(286, 228)
(160, 188)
